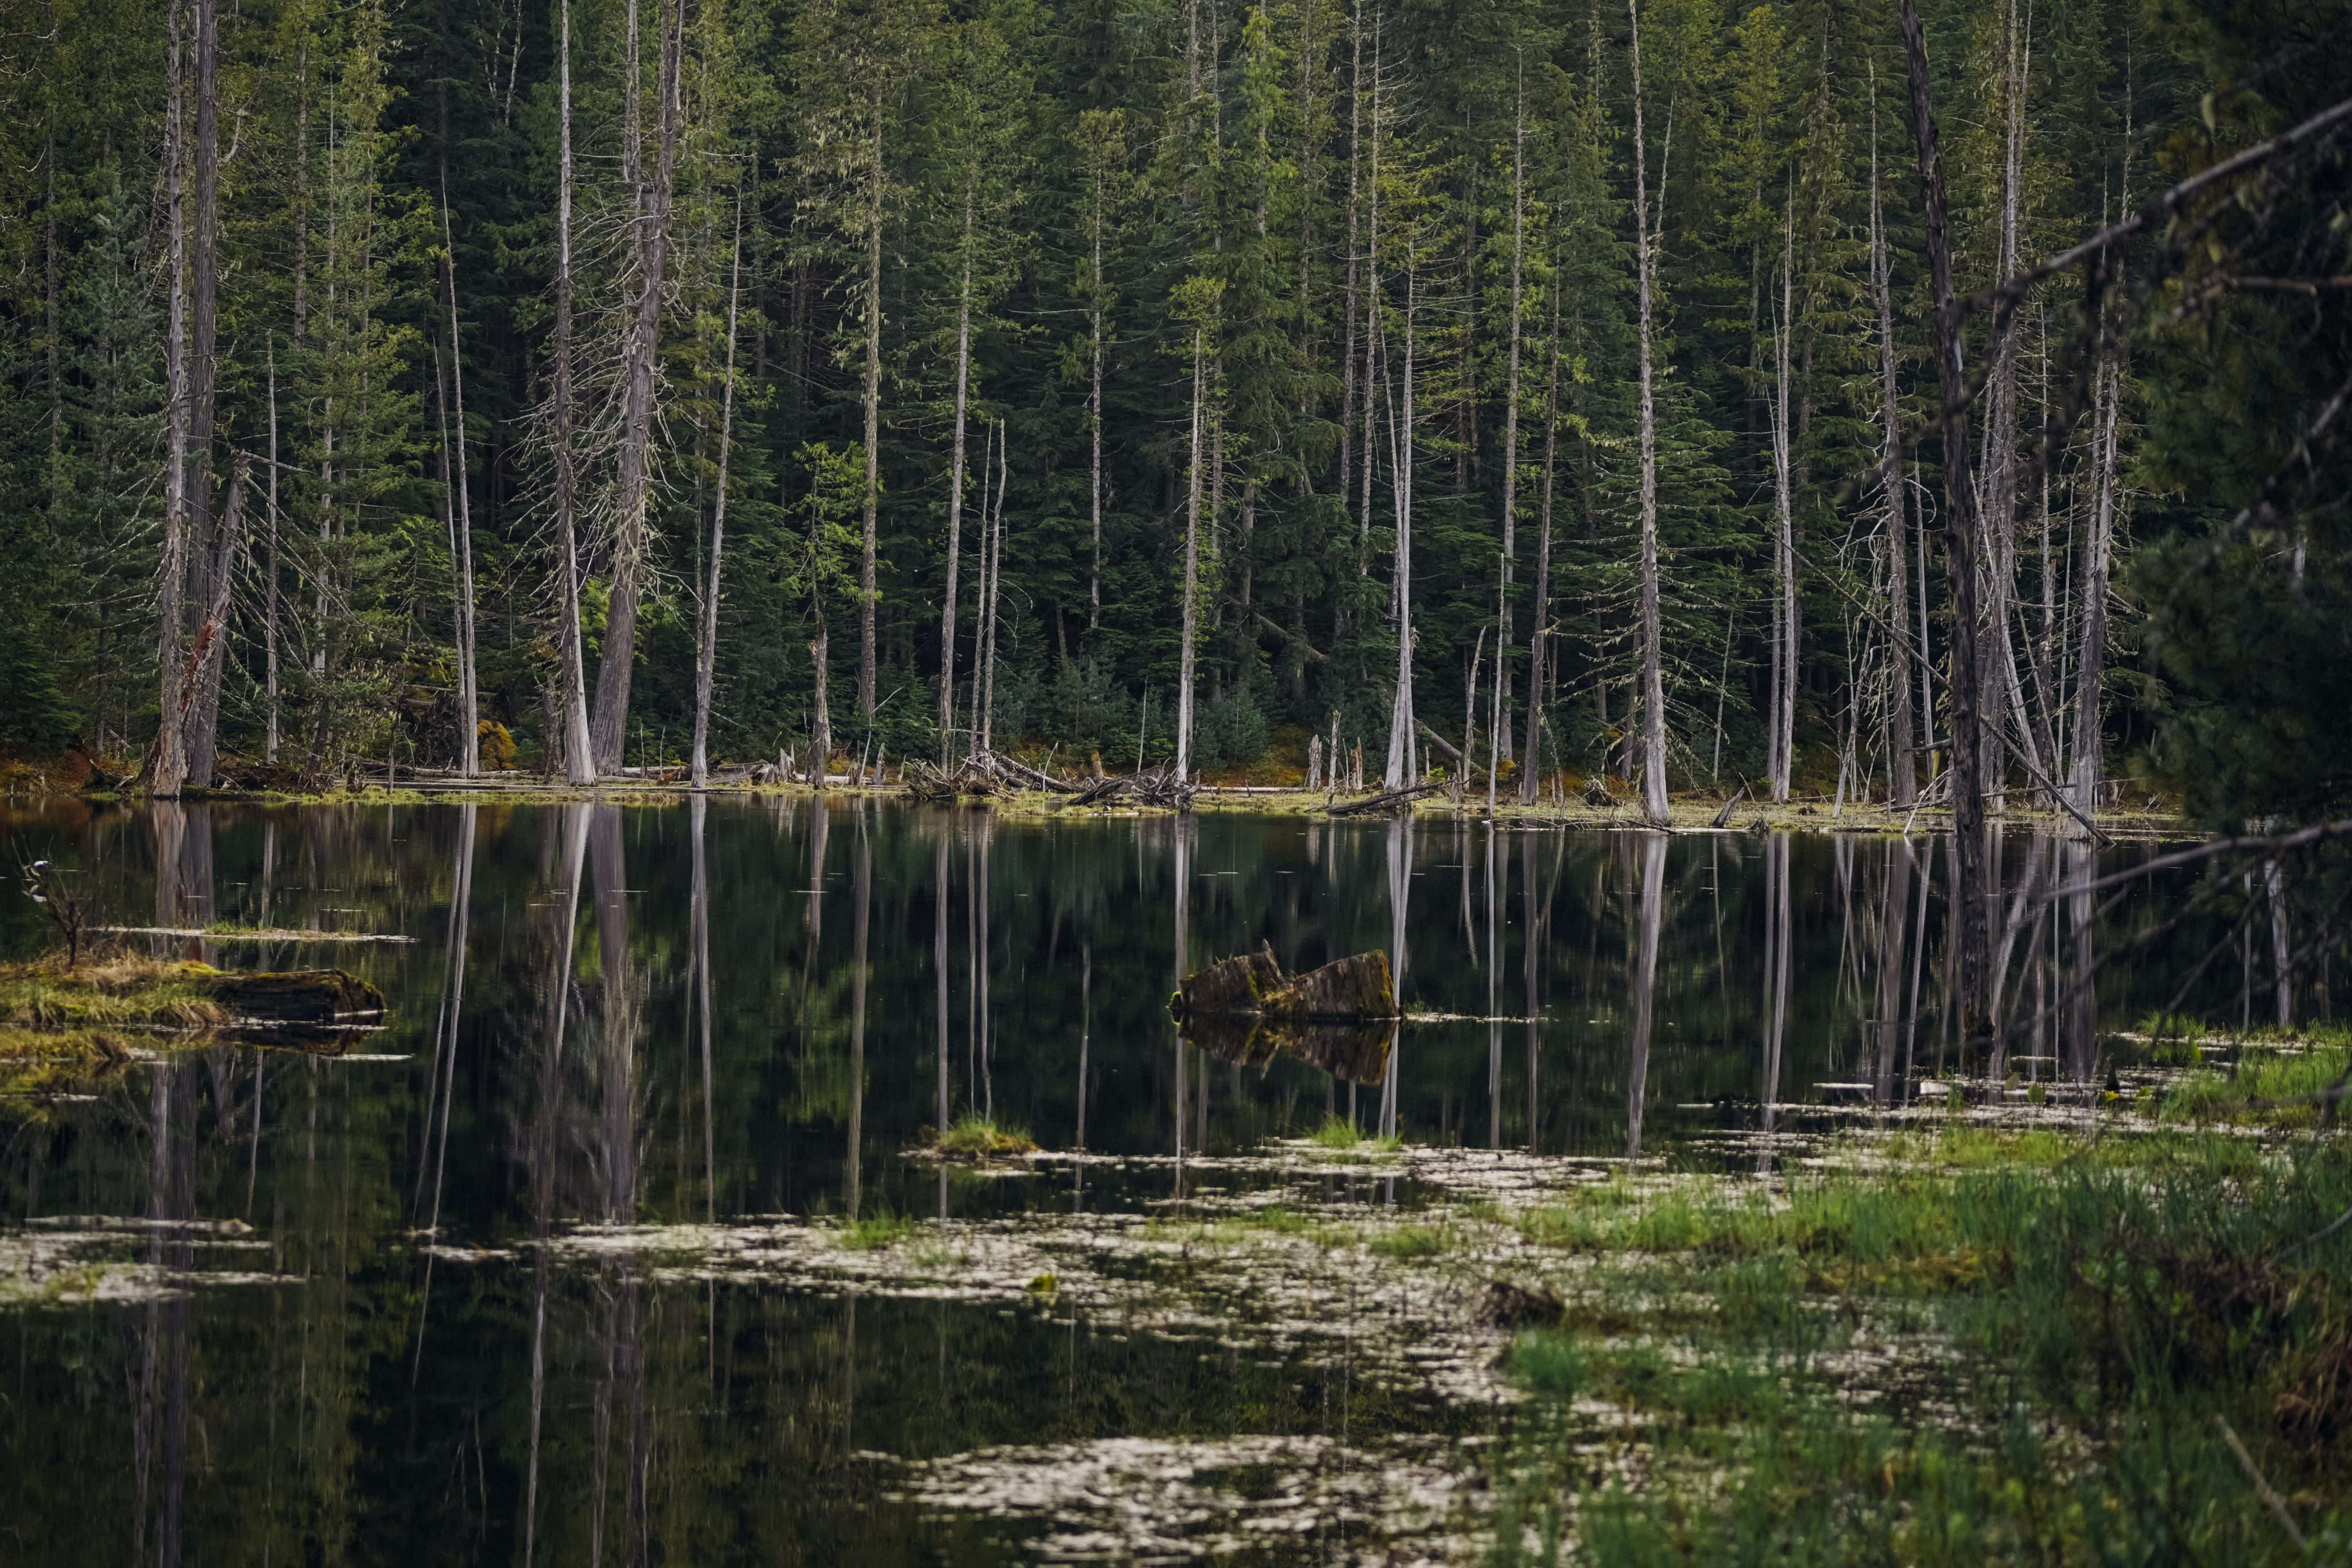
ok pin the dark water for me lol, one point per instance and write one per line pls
(551, 1062)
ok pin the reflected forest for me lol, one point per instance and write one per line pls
(1337, 783)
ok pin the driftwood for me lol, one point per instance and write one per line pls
(1596, 793)
(1387, 802)
(1724, 816)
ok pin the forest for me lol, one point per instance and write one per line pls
(1803, 397)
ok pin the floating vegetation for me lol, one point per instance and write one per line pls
(95, 1009)
(867, 1232)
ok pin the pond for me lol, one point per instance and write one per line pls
(620, 1241)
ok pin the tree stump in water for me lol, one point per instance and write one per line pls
(1253, 986)
(298, 999)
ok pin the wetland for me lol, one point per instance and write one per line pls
(780, 1179)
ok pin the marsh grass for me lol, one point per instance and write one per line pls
(48, 1010)
(1410, 1243)
(2100, 1305)
(870, 1232)
(1341, 1136)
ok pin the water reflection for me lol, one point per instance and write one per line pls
(402, 1359)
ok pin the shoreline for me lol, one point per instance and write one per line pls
(1688, 814)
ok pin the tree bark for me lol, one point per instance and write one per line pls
(956, 479)
(650, 203)
(1191, 560)
(1654, 702)
(1902, 774)
(1399, 770)
(1783, 743)
(1502, 729)
(1959, 522)
(206, 559)
(1539, 626)
(2089, 758)
(706, 661)
(571, 739)
(166, 766)
(461, 526)
(873, 396)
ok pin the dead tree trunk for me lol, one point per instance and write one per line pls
(1902, 772)
(650, 201)
(1653, 701)
(707, 655)
(956, 477)
(1960, 531)
(166, 765)
(571, 739)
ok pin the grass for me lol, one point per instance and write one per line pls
(869, 1233)
(1341, 1136)
(977, 1137)
(47, 1011)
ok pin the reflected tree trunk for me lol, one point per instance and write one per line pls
(1894, 910)
(860, 900)
(540, 1153)
(1400, 854)
(1776, 983)
(1645, 978)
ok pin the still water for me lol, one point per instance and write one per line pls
(475, 1290)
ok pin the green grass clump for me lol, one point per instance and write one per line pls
(1342, 1136)
(976, 1136)
(1408, 1243)
(867, 1233)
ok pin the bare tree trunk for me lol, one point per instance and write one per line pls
(706, 661)
(269, 590)
(166, 766)
(207, 560)
(573, 740)
(873, 394)
(650, 201)
(461, 527)
(1399, 771)
(1996, 682)
(996, 538)
(821, 720)
(1653, 701)
(2088, 758)
(1191, 558)
(1502, 728)
(956, 473)
(1960, 530)
(1538, 626)
(1355, 258)
(1902, 774)
(1782, 744)
(1094, 410)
